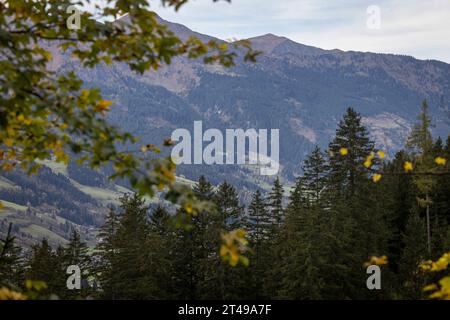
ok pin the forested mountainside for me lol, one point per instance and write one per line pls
(299, 89)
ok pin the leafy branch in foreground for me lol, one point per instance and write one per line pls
(441, 290)
(47, 115)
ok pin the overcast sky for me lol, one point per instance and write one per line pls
(420, 28)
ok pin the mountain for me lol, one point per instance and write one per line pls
(301, 90)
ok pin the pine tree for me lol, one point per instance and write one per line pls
(347, 171)
(11, 261)
(420, 140)
(440, 211)
(315, 173)
(302, 250)
(275, 203)
(205, 239)
(270, 256)
(160, 246)
(45, 265)
(160, 221)
(298, 198)
(229, 207)
(132, 254)
(399, 196)
(75, 253)
(420, 144)
(302, 258)
(258, 221)
(415, 251)
(204, 190)
(105, 257)
(259, 228)
(225, 282)
(356, 208)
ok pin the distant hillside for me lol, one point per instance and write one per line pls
(299, 89)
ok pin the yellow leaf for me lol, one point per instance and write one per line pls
(440, 161)
(430, 287)
(381, 154)
(103, 105)
(376, 177)
(7, 294)
(343, 151)
(188, 207)
(368, 163)
(408, 166)
(378, 261)
(223, 251)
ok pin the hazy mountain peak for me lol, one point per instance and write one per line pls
(268, 42)
(273, 44)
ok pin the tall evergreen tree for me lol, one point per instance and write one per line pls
(420, 144)
(399, 198)
(346, 168)
(105, 257)
(161, 249)
(315, 173)
(229, 207)
(45, 265)
(275, 203)
(230, 283)
(415, 251)
(259, 228)
(132, 255)
(11, 261)
(75, 253)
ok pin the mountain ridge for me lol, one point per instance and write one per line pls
(383, 87)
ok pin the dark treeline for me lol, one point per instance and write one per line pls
(311, 245)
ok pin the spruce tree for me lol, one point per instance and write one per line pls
(414, 252)
(132, 255)
(228, 206)
(420, 145)
(45, 265)
(259, 228)
(205, 237)
(105, 257)
(315, 173)
(347, 172)
(302, 258)
(11, 261)
(275, 203)
(230, 283)
(161, 249)
(75, 253)
(399, 199)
